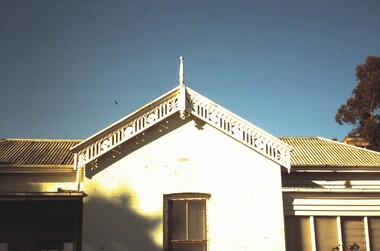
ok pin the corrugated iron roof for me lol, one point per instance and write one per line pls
(35, 152)
(317, 151)
(307, 151)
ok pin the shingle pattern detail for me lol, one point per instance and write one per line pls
(36, 152)
(316, 151)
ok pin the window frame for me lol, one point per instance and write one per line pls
(186, 197)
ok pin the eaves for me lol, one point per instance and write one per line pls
(35, 169)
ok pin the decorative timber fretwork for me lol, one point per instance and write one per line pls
(239, 129)
(186, 102)
(125, 129)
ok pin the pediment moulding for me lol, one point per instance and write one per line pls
(186, 102)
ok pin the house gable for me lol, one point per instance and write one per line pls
(176, 150)
(185, 102)
(173, 157)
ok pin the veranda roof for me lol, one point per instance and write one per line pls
(36, 152)
(321, 152)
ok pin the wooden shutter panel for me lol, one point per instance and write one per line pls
(374, 232)
(196, 220)
(298, 236)
(178, 220)
(188, 225)
(353, 232)
(326, 232)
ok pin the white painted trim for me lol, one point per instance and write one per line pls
(331, 213)
(366, 230)
(312, 233)
(21, 196)
(78, 170)
(123, 121)
(241, 130)
(329, 190)
(79, 178)
(335, 169)
(181, 71)
(340, 234)
(196, 105)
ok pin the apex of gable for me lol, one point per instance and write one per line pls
(181, 72)
(186, 102)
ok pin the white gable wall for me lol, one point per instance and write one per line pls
(124, 209)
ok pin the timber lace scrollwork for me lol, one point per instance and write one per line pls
(129, 128)
(243, 131)
(187, 102)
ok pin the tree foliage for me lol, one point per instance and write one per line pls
(362, 109)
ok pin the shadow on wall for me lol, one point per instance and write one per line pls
(111, 222)
(138, 142)
(117, 226)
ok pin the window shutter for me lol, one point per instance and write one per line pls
(353, 232)
(297, 230)
(326, 232)
(178, 220)
(374, 232)
(197, 220)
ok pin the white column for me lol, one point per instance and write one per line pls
(312, 232)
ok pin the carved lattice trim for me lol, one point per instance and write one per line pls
(188, 102)
(127, 128)
(241, 130)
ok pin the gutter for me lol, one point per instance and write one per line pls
(335, 169)
(329, 190)
(62, 195)
(38, 169)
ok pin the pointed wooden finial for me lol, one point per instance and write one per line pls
(182, 102)
(181, 72)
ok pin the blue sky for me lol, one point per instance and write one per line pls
(285, 66)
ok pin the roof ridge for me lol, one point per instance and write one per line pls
(348, 145)
(330, 140)
(297, 137)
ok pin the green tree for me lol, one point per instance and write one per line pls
(362, 109)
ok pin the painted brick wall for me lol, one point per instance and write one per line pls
(124, 207)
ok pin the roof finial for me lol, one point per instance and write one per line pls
(181, 73)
